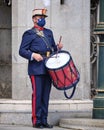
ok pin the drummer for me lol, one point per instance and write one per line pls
(37, 44)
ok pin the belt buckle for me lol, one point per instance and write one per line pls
(47, 53)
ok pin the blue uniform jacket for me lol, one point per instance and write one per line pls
(32, 42)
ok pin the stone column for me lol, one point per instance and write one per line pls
(72, 21)
(21, 20)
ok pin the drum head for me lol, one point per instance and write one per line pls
(58, 60)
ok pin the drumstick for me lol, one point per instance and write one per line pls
(60, 39)
(59, 43)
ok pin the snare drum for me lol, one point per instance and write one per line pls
(62, 70)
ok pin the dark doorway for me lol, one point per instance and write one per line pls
(5, 50)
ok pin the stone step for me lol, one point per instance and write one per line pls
(19, 111)
(82, 124)
(9, 105)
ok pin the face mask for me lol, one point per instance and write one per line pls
(41, 22)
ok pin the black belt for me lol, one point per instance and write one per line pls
(46, 54)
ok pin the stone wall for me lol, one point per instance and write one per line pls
(72, 21)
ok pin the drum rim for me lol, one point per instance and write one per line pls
(61, 66)
(68, 87)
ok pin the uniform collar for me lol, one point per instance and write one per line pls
(39, 28)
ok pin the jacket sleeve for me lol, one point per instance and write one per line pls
(24, 50)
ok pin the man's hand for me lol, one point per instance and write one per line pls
(59, 46)
(37, 57)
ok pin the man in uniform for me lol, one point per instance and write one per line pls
(37, 44)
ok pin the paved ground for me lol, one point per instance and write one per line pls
(17, 127)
